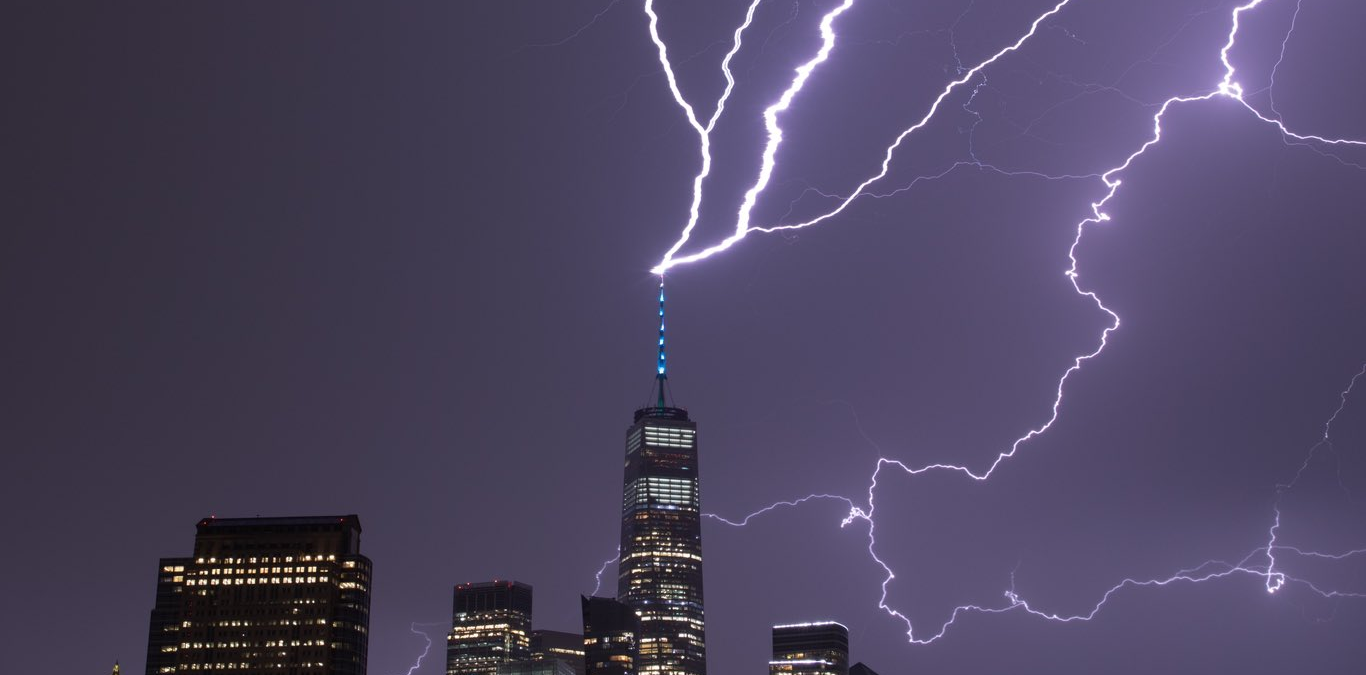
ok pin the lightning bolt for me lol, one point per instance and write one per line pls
(1274, 579)
(703, 132)
(775, 137)
(1228, 87)
(413, 627)
(1271, 80)
(1209, 570)
(1327, 440)
(853, 509)
(570, 38)
(1206, 571)
(597, 578)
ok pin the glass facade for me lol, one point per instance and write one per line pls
(289, 595)
(490, 625)
(660, 571)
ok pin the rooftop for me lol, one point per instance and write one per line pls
(213, 521)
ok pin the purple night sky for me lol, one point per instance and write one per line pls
(393, 259)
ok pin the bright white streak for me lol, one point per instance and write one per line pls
(704, 133)
(775, 138)
(669, 76)
(853, 509)
(597, 578)
(775, 135)
(425, 650)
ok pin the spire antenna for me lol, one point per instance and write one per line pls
(660, 364)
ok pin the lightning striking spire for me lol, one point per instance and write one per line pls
(775, 135)
(661, 366)
(1227, 87)
(703, 132)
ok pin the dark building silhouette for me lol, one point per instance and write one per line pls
(860, 669)
(610, 633)
(660, 571)
(286, 595)
(536, 667)
(554, 644)
(820, 648)
(490, 625)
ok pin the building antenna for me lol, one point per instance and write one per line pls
(660, 364)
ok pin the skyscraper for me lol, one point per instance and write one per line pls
(820, 648)
(265, 595)
(490, 625)
(660, 571)
(610, 634)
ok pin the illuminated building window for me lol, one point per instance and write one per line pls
(238, 619)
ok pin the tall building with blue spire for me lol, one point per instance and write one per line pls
(660, 572)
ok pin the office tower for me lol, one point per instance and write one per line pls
(289, 595)
(660, 571)
(820, 648)
(610, 634)
(490, 624)
(860, 669)
(536, 667)
(554, 644)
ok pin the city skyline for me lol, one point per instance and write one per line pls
(395, 261)
(491, 626)
(654, 626)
